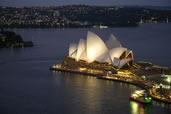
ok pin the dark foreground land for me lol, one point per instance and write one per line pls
(81, 16)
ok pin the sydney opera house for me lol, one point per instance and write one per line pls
(94, 49)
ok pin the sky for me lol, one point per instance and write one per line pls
(21, 3)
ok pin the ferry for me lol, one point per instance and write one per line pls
(141, 96)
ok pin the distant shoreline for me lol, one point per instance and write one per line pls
(81, 16)
(69, 27)
(6, 28)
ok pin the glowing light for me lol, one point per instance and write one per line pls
(94, 49)
(134, 95)
(83, 69)
(125, 73)
(134, 107)
(139, 91)
(168, 79)
(91, 53)
(148, 99)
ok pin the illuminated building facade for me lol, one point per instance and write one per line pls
(95, 49)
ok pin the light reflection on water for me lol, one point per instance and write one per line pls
(93, 95)
(137, 108)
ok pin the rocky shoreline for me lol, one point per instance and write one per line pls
(9, 39)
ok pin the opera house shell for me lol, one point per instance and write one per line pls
(95, 49)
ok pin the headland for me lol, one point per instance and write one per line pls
(111, 61)
(9, 39)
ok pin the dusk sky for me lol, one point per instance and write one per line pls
(21, 3)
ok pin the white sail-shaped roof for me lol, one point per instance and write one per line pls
(72, 48)
(116, 61)
(123, 62)
(113, 42)
(81, 48)
(116, 52)
(129, 53)
(95, 47)
(104, 58)
(73, 55)
(83, 56)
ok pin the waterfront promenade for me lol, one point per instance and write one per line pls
(149, 85)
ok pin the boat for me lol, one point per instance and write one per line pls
(141, 96)
(100, 26)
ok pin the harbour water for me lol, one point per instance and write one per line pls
(28, 86)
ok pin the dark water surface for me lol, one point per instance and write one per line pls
(28, 87)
